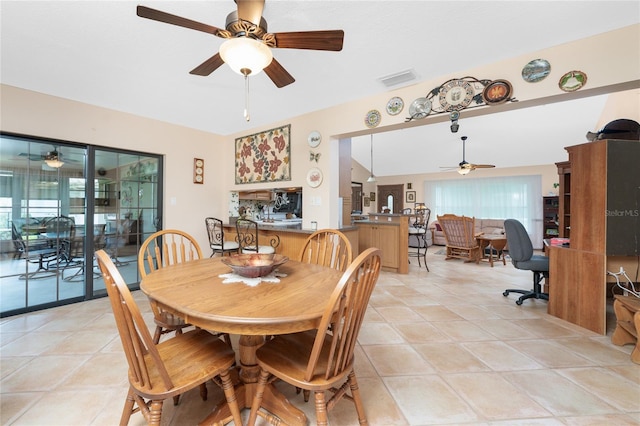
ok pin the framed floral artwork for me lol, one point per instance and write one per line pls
(264, 156)
(367, 202)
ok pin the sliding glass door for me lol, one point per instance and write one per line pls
(127, 207)
(59, 202)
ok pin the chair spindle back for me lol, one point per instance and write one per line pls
(327, 247)
(141, 353)
(344, 314)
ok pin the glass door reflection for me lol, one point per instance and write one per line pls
(127, 207)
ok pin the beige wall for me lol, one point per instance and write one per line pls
(37, 114)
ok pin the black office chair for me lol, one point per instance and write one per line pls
(522, 257)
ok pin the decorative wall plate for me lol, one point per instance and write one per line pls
(572, 81)
(536, 70)
(420, 108)
(314, 139)
(456, 95)
(497, 92)
(314, 177)
(373, 118)
(395, 106)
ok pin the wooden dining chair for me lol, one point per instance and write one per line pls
(327, 247)
(168, 369)
(322, 360)
(459, 233)
(217, 242)
(161, 249)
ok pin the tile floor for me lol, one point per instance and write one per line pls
(439, 347)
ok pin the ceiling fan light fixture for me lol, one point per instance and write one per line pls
(246, 56)
(53, 160)
(464, 170)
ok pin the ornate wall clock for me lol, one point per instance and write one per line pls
(456, 95)
(198, 170)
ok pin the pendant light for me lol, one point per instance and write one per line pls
(372, 178)
(246, 56)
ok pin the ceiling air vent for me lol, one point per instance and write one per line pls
(398, 78)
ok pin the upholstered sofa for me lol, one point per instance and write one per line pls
(487, 226)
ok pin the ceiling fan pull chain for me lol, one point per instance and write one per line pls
(246, 98)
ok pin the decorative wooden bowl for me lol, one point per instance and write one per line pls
(254, 265)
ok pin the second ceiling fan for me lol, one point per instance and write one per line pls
(247, 24)
(464, 167)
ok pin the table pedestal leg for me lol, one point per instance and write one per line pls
(273, 401)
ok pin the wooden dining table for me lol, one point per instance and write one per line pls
(195, 291)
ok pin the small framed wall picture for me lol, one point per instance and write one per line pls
(367, 202)
(410, 197)
(198, 170)
(372, 196)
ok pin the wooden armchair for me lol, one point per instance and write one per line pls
(459, 234)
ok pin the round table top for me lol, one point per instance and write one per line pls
(195, 291)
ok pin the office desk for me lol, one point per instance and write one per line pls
(194, 291)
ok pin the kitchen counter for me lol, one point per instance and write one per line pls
(286, 223)
(292, 236)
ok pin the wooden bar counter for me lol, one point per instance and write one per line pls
(390, 233)
(292, 237)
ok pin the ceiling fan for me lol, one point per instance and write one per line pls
(464, 167)
(51, 158)
(246, 26)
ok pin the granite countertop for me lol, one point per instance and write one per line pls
(377, 222)
(293, 228)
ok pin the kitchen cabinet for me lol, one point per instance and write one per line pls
(256, 195)
(389, 233)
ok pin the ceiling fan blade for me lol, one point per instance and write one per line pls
(278, 74)
(32, 157)
(250, 10)
(157, 15)
(208, 66)
(312, 40)
(482, 166)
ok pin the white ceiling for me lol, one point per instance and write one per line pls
(101, 53)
